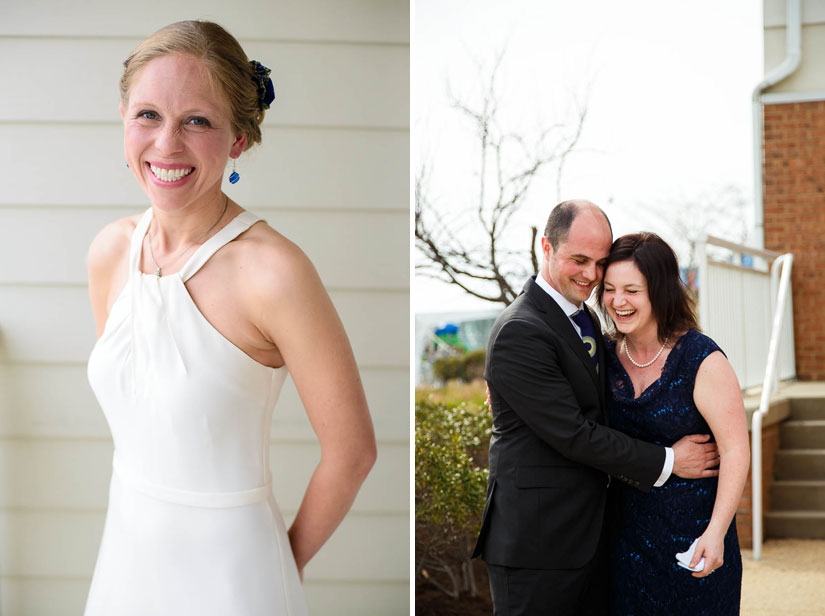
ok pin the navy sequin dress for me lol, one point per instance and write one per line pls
(648, 529)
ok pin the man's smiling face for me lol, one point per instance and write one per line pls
(576, 266)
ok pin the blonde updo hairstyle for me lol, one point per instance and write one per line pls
(226, 65)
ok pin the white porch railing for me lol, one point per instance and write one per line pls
(738, 306)
(781, 297)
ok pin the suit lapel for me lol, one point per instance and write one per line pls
(561, 324)
(602, 349)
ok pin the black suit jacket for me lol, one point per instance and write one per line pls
(551, 451)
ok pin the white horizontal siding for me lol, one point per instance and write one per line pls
(775, 11)
(370, 21)
(54, 324)
(82, 165)
(33, 596)
(66, 407)
(58, 544)
(307, 78)
(808, 77)
(61, 257)
(74, 474)
(332, 175)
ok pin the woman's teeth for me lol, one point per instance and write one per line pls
(624, 313)
(170, 175)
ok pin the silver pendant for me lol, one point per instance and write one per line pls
(157, 273)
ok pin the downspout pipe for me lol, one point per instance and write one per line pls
(793, 56)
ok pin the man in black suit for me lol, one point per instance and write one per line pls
(551, 453)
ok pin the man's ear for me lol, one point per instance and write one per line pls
(546, 247)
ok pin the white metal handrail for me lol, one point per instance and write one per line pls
(736, 307)
(780, 291)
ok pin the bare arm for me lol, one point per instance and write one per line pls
(297, 315)
(107, 262)
(719, 399)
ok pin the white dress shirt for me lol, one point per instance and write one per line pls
(569, 308)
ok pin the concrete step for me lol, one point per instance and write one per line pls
(802, 434)
(797, 495)
(808, 408)
(795, 524)
(800, 464)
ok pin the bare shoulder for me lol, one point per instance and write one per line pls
(273, 265)
(716, 386)
(716, 370)
(111, 244)
(107, 259)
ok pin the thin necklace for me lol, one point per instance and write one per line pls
(158, 272)
(633, 361)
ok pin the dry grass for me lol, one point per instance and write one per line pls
(454, 392)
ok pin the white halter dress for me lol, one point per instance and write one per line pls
(192, 526)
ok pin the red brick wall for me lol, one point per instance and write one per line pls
(794, 215)
(744, 514)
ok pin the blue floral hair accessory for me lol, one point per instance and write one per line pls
(266, 91)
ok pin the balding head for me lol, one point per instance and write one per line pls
(575, 245)
(563, 215)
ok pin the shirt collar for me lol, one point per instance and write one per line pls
(568, 307)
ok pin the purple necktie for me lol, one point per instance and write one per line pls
(588, 333)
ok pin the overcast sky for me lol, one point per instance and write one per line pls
(667, 83)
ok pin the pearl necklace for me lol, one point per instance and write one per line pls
(655, 357)
(158, 272)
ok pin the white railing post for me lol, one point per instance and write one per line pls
(782, 289)
(778, 267)
(704, 296)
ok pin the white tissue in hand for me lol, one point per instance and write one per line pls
(683, 559)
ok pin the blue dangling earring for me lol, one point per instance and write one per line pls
(127, 165)
(234, 176)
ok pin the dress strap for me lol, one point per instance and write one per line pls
(236, 226)
(137, 242)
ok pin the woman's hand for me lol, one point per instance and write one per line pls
(712, 547)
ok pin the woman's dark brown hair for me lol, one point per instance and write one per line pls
(672, 304)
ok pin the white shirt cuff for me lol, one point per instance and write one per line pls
(667, 469)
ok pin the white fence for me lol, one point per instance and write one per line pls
(737, 291)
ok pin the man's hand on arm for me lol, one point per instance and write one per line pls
(695, 457)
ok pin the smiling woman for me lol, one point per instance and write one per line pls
(667, 380)
(201, 309)
(177, 133)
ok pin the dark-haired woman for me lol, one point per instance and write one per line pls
(201, 308)
(667, 380)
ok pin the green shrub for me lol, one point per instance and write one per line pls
(466, 367)
(450, 487)
(447, 368)
(474, 365)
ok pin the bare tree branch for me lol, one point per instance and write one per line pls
(685, 219)
(472, 253)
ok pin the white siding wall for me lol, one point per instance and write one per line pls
(332, 174)
(808, 78)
